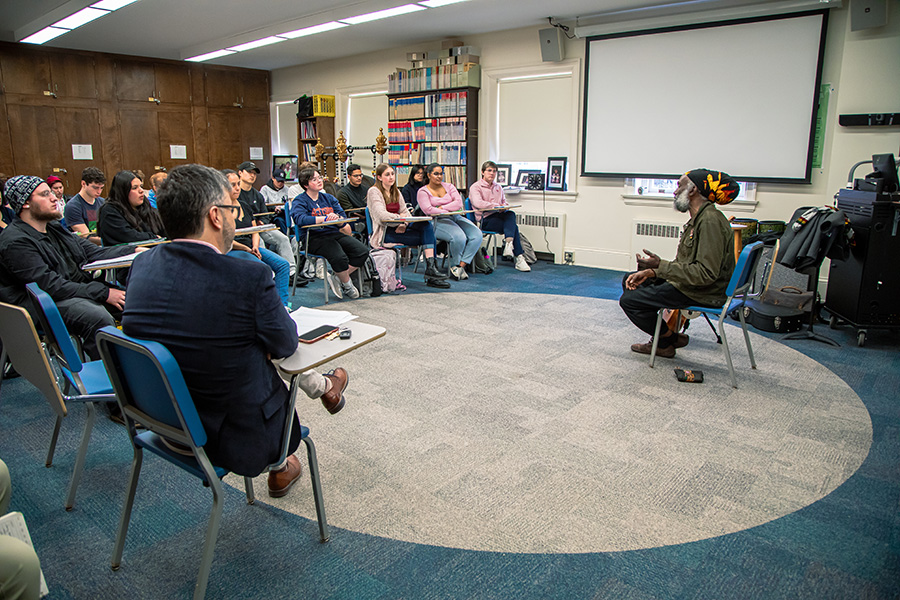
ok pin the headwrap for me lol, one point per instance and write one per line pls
(715, 186)
(18, 190)
(53, 179)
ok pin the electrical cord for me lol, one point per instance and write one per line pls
(565, 28)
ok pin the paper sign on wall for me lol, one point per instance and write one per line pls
(177, 152)
(256, 153)
(82, 152)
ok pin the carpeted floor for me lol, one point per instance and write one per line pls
(522, 423)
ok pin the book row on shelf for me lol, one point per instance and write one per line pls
(434, 78)
(448, 153)
(307, 130)
(431, 130)
(447, 104)
(455, 176)
(309, 152)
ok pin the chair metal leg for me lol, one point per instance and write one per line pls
(126, 509)
(212, 532)
(3, 359)
(82, 454)
(248, 487)
(53, 438)
(713, 327)
(324, 276)
(656, 337)
(317, 489)
(727, 350)
(747, 339)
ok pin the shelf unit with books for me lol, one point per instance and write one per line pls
(309, 131)
(439, 126)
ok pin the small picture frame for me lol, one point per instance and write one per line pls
(522, 177)
(504, 174)
(556, 173)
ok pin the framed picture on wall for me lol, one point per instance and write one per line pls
(504, 174)
(556, 173)
(287, 162)
(522, 177)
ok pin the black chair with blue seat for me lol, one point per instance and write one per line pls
(738, 286)
(150, 388)
(88, 379)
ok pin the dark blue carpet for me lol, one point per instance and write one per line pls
(844, 546)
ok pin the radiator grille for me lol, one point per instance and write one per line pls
(527, 220)
(657, 230)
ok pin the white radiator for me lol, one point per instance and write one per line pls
(658, 237)
(547, 233)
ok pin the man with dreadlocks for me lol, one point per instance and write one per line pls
(702, 267)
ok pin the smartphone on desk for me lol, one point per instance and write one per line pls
(317, 334)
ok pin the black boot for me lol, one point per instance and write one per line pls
(432, 271)
(437, 283)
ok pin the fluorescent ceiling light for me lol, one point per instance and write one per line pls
(272, 39)
(210, 55)
(44, 35)
(312, 30)
(85, 15)
(437, 3)
(383, 14)
(112, 4)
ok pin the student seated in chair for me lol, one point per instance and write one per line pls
(702, 268)
(222, 320)
(485, 194)
(343, 252)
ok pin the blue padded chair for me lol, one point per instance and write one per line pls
(398, 247)
(489, 234)
(87, 378)
(302, 244)
(740, 283)
(150, 388)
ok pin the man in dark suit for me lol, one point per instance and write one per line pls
(222, 320)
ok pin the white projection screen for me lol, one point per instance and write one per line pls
(735, 96)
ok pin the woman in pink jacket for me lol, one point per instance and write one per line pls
(485, 194)
(437, 198)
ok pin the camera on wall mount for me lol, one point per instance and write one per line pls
(535, 181)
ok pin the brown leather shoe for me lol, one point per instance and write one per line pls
(667, 352)
(681, 340)
(280, 482)
(333, 399)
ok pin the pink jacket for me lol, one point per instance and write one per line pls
(483, 196)
(432, 205)
(379, 214)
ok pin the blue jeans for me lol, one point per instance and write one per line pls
(279, 266)
(504, 221)
(463, 236)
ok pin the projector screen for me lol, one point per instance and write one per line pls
(735, 96)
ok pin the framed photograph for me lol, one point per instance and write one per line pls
(504, 175)
(522, 177)
(556, 173)
(288, 162)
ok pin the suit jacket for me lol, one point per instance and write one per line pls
(220, 317)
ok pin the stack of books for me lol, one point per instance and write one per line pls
(454, 66)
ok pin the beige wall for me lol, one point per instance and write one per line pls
(861, 66)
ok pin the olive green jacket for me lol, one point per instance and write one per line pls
(705, 259)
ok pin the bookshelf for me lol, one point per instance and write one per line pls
(435, 126)
(309, 130)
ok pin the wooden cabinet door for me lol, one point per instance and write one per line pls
(25, 72)
(175, 129)
(223, 88)
(78, 126)
(73, 75)
(33, 136)
(7, 165)
(135, 80)
(255, 90)
(173, 83)
(139, 129)
(225, 138)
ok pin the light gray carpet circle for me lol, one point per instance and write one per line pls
(514, 422)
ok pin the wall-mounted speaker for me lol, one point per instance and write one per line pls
(552, 49)
(866, 14)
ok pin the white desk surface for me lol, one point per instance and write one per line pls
(310, 356)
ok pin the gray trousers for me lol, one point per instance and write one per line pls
(279, 243)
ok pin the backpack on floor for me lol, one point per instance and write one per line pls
(482, 264)
(527, 249)
(386, 264)
(371, 280)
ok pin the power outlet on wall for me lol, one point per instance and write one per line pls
(569, 258)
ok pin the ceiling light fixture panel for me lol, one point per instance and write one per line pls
(44, 35)
(112, 5)
(439, 3)
(313, 30)
(383, 14)
(83, 16)
(209, 55)
(266, 41)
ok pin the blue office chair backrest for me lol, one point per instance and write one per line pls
(467, 204)
(55, 331)
(368, 222)
(745, 267)
(146, 378)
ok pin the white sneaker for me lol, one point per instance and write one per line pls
(463, 274)
(521, 264)
(335, 284)
(508, 250)
(350, 290)
(320, 269)
(458, 273)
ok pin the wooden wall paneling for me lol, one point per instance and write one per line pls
(173, 83)
(200, 131)
(225, 138)
(175, 128)
(112, 141)
(72, 75)
(7, 165)
(33, 136)
(222, 87)
(105, 75)
(254, 127)
(139, 128)
(78, 126)
(24, 72)
(255, 89)
(135, 80)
